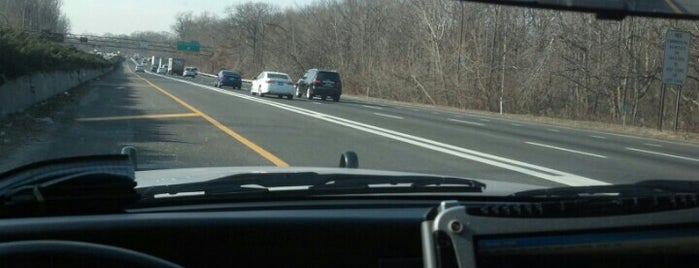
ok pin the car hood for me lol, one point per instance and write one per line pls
(148, 178)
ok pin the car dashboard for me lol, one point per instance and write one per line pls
(376, 233)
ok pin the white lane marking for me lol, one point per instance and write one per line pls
(553, 130)
(484, 120)
(565, 149)
(466, 122)
(653, 145)
(489, 159)
(663, 154)
(389, 116)
(373, 107)
(598, 137)
(435, 113)
(317, 102)
(516, 125)
(415, 110)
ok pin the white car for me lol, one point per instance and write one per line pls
(272, 83)
(139, 69)
(162, 69)
(190, 71)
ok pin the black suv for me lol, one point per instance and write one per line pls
(319, 82)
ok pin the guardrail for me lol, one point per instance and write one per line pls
(204, 74)
(207, 74)
(214, 76)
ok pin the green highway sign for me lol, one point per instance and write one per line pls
(192, 46)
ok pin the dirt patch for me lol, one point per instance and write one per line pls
(30, 125)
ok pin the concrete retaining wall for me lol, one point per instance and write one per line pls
(19, 94)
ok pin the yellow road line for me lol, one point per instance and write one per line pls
(145, 116)
(673, 6)
(262, 152)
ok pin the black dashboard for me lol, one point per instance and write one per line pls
(375, 233)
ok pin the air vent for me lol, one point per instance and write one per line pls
(588, 207)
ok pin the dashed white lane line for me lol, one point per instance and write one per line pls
(663, 154)
(317, 102)
(653, 145)
(598, 137)
(389, 116)
(373, 107)
(565, 149)
(466, 122)
(484, 120)
(553, 130)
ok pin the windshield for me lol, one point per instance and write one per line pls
(278, 76)
(230, 74)
(471, 90)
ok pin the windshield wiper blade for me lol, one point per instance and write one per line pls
(315, 183)
(642, 188)
(86, 184)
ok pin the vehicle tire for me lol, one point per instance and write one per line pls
(280, 96)
(298, 92)
(323, 97)
(336, 98)
(290, 96)
(309, 94)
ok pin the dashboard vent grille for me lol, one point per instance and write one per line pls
(587, 207)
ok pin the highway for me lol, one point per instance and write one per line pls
(185, 122)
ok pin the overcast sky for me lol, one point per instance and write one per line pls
(127, 16)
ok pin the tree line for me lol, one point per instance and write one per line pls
(34, 15)
(459, 54)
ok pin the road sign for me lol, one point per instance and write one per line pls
(676, 57)
(188, 46)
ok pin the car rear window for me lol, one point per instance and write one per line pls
(230, 74)
(279, 76)
(328, 76)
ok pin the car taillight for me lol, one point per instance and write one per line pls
(316, 82)
(269, 81)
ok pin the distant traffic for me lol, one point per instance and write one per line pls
(315, 82)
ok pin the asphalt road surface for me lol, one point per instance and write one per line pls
(185, 122)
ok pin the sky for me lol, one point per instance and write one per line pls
(128, 16)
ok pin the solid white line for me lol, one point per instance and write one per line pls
(663, 154)
(466, 122)
(553, 130)
(485, 120)
(488, 159)
(599, 137)
(373, 107)
(653, 145)
(565, 149)
(389, 116)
